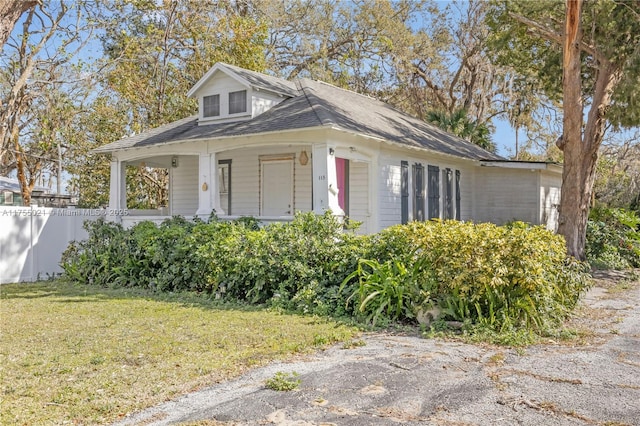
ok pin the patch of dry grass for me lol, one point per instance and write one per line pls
(88, 355)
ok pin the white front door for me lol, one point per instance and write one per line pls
(277, 188)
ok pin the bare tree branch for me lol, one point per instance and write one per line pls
(10, 12)
(554, 35)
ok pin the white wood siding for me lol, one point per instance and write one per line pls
(466, 192)
(184, 186)
(390, 181)
(503, 195)
(262, 101)
(222, 85)
(245, 179)
(389, 193)
(302, 194)
(359, 194)
(245, 182)
(550, 184)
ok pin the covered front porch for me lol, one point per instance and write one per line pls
(270, 183)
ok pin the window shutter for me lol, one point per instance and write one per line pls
(448, 194)
(418, 191)
(434, 191)
(404, 191)
(457, 194)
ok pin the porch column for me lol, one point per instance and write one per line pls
(208, 197)
(117, 189)
(325, 181)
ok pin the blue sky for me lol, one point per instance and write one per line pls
(505, 137)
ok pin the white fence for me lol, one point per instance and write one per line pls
(32, 240)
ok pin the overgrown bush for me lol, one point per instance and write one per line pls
(295, 266)
(613, 238)
(499, 276)
(96, 260)
(146, 255)
(291, 265)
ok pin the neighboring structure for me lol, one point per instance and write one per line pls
(11, 195)
(267, 147)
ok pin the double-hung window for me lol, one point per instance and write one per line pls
(238, 102)
(211, 106)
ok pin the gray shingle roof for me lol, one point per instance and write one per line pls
(352, 111)
(13, 185)
(312, 105)
(264, 81)
(293, 113)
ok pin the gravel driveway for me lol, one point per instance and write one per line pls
(395, 380)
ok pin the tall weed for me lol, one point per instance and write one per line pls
(613, 238)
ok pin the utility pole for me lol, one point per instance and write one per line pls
(59, 180)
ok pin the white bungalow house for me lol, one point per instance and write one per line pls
(267, 147)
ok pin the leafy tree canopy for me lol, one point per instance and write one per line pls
(526, 35)
(586, 55)
(460, 125)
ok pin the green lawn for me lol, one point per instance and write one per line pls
(88, 355)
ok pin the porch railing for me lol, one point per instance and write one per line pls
(137, 216)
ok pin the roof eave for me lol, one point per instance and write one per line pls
(220, 66)
(205, 139)
(530, 165)
(405, 146)
(329, 126)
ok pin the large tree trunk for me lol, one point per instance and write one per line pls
(573, 208)
(580, 150)
(580, 147)
(10, 12)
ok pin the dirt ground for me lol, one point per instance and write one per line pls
(392, 379)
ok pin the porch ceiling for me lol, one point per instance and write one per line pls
(160, 161)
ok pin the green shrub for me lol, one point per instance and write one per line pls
(506, 276)
(613, 238)
(296, 266)
(390, 290)
(146, 255)
(503, 278)
(100, 258)
(290, 265)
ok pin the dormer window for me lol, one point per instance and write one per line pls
(211, 106)
(238, 102)
(226, 94)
